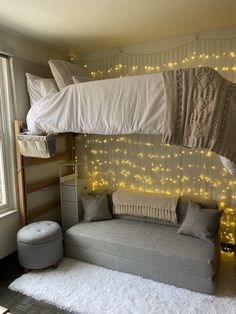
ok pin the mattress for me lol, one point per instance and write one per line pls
(114, 106)
(147, 249)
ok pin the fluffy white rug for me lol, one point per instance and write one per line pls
(83, 288)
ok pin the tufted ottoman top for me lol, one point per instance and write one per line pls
(39, 232)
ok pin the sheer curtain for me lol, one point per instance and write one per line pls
(141, 162)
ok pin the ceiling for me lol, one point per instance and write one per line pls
(82, 26)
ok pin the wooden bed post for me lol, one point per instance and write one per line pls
(71, 145)
(20, 177)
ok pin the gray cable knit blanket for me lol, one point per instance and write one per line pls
(200, 110)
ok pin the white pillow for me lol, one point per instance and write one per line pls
(63, 72)
(81, 79)
(39, 87)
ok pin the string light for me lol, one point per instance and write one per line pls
(140, 163)
(193, 57)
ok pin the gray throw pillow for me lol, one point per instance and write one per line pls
(200, 222)
(95, 207)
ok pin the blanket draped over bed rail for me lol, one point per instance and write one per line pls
(200, 110)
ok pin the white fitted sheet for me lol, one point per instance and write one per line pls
(114, 106)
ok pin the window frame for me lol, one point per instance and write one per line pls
(7, 135)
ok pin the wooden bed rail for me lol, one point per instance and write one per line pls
(39, 185)
(20, 176)
(25, 188)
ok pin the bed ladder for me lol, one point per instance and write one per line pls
(25, 188)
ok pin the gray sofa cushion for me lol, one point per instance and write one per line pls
(200, 222)
(147, 243)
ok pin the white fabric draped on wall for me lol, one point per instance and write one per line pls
(141, 162)
(219, 54)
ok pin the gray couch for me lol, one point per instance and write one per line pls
(148, 249)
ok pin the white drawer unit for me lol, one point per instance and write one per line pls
(71, 188)
(71, 213)
(68, 192)
(72, 209)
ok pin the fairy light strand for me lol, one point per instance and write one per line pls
(139, 163)
(142, 163)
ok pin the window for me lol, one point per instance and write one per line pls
(7, 173)
(3, 199)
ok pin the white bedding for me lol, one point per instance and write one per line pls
(115, 106)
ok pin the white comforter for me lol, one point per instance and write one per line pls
(115, 106)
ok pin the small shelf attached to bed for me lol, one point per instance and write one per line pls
(40, 145)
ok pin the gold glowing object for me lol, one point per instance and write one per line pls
(139, 164)
(193, 58)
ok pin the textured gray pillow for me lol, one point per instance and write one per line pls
(63, 71)
(95, 207)
(200, 222)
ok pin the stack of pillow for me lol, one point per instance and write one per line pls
(64, 74)
(201, 223)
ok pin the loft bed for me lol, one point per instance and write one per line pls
(194, 108)
(189, 107)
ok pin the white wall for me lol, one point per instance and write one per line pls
(161, 45)
(8, 227)
(21, 49)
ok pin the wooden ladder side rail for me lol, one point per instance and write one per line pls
(20, 176)
(24, 189)
(68, 155)
(32, 161)
(40, 210)
(71, 145)
(43, 184)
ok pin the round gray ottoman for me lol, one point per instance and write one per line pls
(39, 245)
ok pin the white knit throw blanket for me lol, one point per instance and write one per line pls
(143, 204)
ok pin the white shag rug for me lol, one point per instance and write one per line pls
(83, 288)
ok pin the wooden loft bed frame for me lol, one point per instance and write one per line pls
(24, 188)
